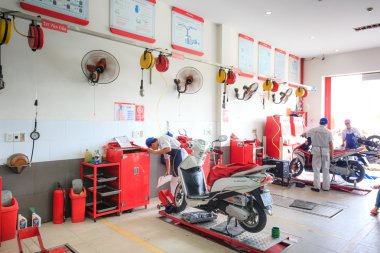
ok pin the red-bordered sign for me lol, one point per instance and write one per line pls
(37, 7)
(279, 51)
(294, 57)
(124, 30)
(139, 113)
(279, 64)
(264, 61)
(192, 42)
(246, 57)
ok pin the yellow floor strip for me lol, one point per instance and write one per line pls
(131, 236)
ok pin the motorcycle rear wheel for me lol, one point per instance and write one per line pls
(179, 198)
(257, 219)
(358, 170)
(295, 167)
(376, 140)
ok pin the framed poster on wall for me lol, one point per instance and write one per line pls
(133, 18)
(264, 60)
(279, 64)
(246, 55)
(75, 11)
(294, 69)
(187, 32)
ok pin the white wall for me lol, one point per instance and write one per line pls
(339, 64)
(244, 116)
(66, 102)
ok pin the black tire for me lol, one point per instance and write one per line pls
(256, 220)
(179, 198)
(359, 172)
(375, 139)
(295, 167)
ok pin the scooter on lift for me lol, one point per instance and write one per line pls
(241, 195)
(351, 171)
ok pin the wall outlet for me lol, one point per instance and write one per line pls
(141, 134)
(16, 137)
(22, 137)
(135, 134)
(9, 137)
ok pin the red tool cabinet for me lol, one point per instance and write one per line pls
(134, 174)
(245, 151)
(102, 182)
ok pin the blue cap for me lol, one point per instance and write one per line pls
(323, 121)
(149, 141)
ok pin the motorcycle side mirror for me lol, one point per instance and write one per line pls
(182, 132)
(222, 138)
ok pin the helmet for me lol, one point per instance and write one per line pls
(323, 121)
(149, 141)
(347, 121)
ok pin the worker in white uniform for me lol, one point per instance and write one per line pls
(322, 151)
(170, 148)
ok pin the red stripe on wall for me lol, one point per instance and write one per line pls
(302, 69)
(328, 100)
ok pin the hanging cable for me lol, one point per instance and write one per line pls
(14, 26)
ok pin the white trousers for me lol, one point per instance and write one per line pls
(321, 160)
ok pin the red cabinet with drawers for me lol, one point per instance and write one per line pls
(134, 174)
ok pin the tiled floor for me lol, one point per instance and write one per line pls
(352, 230)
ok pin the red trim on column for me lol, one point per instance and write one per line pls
(328, 100)
(246, 37)
(302, 70)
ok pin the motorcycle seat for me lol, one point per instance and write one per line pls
(222, 171)
(252, 171)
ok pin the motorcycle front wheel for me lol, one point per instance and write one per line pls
(257, 219)
(179, 198)
(358, 172)
(295, 167)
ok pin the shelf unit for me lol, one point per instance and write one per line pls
(102, 181)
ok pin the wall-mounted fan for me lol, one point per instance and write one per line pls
(189, 80)
(248, 91)
(283, 96)
(100, 67)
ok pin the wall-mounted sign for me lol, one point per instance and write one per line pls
(133, 18)
(294, 69)
(125, 111)
(75, 11)
(54, 26)
(139, 113)
(264, 60)
(279, 64)
(246, 55)
(187, 32)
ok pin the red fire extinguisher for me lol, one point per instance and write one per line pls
(59, 201)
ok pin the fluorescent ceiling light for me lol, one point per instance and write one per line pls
(268, 12)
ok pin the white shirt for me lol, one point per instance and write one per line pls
(320, 137)
(353, 130)
(166, 141)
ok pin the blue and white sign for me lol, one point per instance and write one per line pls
(264, 60)
(246, 54)
(294, 69)
(187, 32)
(133, 18)
(279, 64)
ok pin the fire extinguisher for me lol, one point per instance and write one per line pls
(59, 203)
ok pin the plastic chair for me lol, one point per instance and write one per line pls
(29, 233)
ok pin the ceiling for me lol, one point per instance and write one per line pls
(307, 28)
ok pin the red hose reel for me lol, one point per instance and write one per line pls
(35, 37)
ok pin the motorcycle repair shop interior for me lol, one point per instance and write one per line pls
(90, 89)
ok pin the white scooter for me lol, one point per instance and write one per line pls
(242, 195)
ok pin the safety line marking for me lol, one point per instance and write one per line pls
(131, 236)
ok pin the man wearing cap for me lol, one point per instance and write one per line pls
(350, 136)
(169, 147)
(322, 151)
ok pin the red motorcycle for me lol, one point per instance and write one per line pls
(351, 171)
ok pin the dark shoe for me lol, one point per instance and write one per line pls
(315, 189)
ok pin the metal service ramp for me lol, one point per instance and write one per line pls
(338, 186)
(245, 242)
